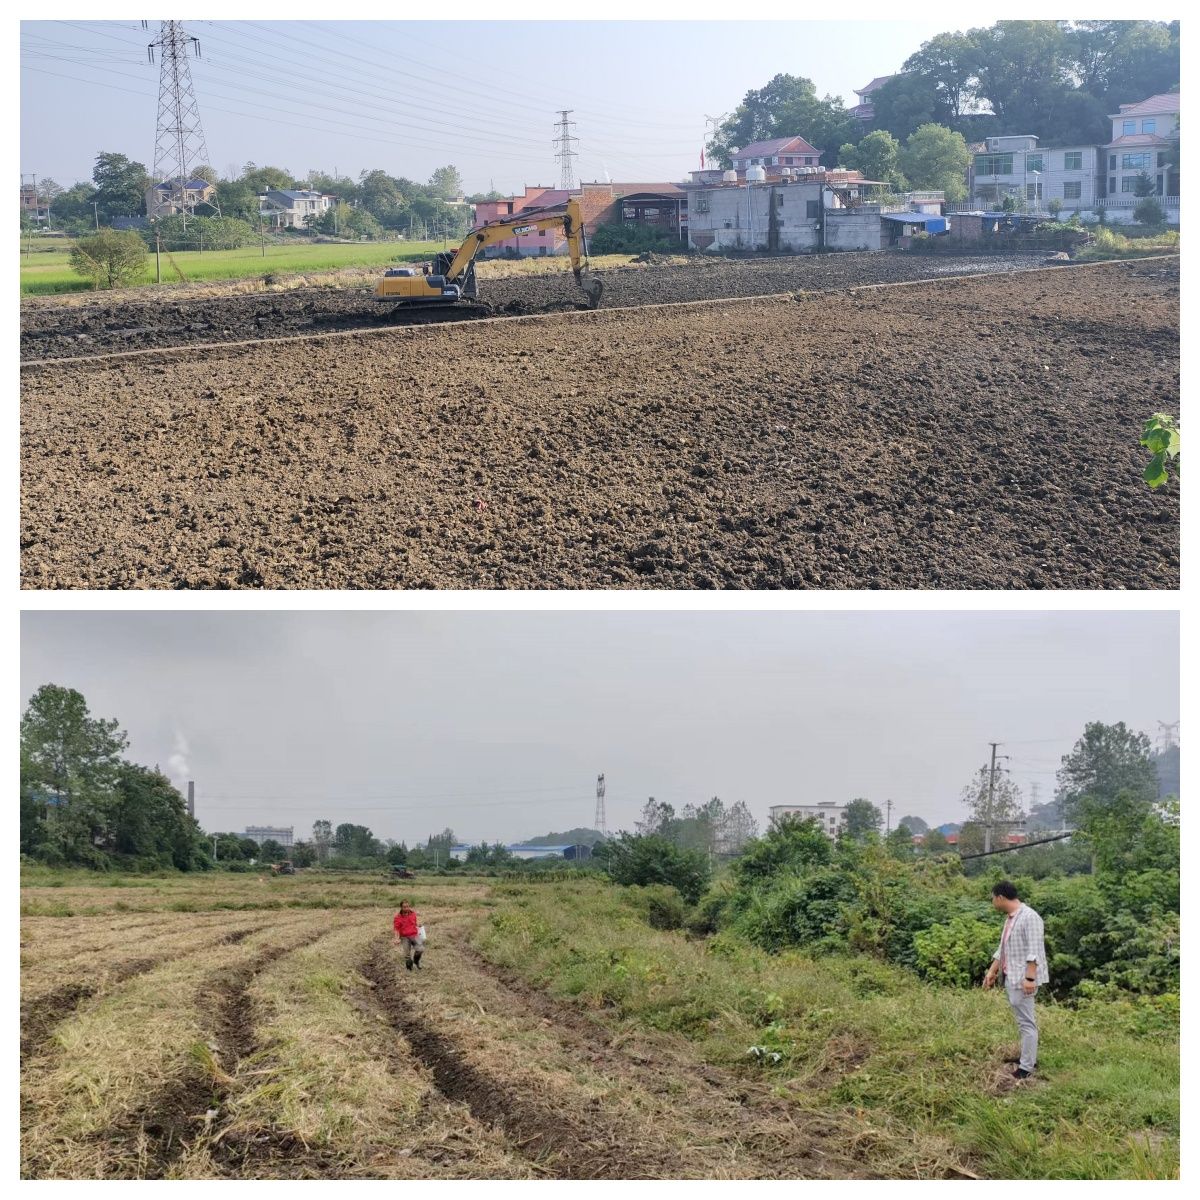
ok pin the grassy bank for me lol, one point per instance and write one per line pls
(47, 272)
(1110, 244)
(923, 1062)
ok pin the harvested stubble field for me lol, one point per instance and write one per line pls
(961, 433)
(237, 1027)
(288, 1042)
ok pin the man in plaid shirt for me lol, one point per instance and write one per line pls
(1021, 959)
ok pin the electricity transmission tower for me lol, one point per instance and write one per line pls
(179, 145)
(564, 153)
(1168, 735)
(601, 823)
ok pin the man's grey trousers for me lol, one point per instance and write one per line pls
(1022, 1007)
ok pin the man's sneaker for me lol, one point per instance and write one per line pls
(408, 964)
(1021, 1073)
(417, 962)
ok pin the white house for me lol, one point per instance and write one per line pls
(1142, 139)
(830, 816)
(288, 209)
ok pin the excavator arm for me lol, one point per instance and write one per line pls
(569, 219)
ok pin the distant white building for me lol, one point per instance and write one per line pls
(272, 833)
(286, 208)
(523, 851)
(830, 816)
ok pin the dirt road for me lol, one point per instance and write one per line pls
(967, 433)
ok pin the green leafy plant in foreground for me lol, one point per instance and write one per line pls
(1160, 435)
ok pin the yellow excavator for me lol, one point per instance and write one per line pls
(450, 278)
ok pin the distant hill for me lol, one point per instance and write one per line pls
(572, 837)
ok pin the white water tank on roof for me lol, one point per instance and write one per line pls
(729, 177)
(756, 175)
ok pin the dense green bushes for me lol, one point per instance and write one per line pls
(1115, 930)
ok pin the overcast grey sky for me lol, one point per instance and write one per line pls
(497, 724)
(410, 96)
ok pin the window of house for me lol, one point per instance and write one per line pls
(1112, 162)
(810, 162)
(1112, 185)
(1162, 158)
(1128, 127)
(702, 202)
(1033, 162)
(1072, 191)
(1149, 125)
(1129, 183)
(994, 164)
(1073, 160)
(1134, 162)
(789, 160)
(813, 210)
(1158, 185)
(1033, 191)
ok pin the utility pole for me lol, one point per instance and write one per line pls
(262, 238)
(564, 153)
(987, 826)
(157, 257)
(214, 838)
(601, 822)
(179, 144)
(96, 213)
(888, 824)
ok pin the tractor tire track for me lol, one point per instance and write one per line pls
(556, 1146)
(177, 1117)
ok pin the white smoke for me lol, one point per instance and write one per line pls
(179, 765)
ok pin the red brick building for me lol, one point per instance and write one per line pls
(602, 204)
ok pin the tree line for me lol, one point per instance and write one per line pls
(374, 205)
(1059, 80)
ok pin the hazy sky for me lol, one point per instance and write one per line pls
(497, 724)
(412, 96)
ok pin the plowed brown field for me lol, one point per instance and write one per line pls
(961, 433)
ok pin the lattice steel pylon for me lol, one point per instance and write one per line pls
(564, 153)
(179, 145)
(601, 820)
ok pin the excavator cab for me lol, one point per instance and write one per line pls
(409, 286)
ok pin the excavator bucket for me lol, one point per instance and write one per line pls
(593, 289)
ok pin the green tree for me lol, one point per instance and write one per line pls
(877, 156)
(998, 801)
(862, 819)
(110, 258)
(70, 763)
(900, 842)
(906, 102)
(446, 183)
(936, 158)
(121, 186)
(1149, 212)
(789, 845)
(787, 106)
(935, 843)
(651, 859)
(270, 851)
(303, 854)
(355, 841)
(948, 63)
(1106, 761)
(916, 824)
(322, 839)
(149, 821)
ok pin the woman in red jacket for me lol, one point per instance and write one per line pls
(407, 926)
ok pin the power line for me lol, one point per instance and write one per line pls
(1023, 846)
